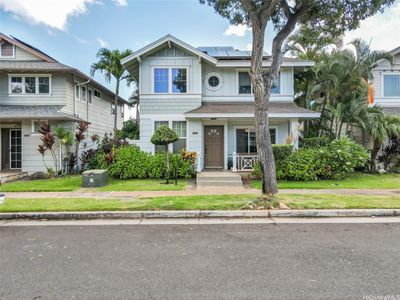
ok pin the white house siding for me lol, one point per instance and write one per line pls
(384, 67)
(168, 105)
(57, 96)
(21, 54)
(229, 91)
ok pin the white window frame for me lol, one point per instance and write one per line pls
(91, 90)
(33, 126)
(214, 88)
(7, 57)
(114, 108)
(36, 94)
(170, 79)
(170, 146)
(81, 93)
(383, 84)
(251, 83)
(248, 136)
(94, 95)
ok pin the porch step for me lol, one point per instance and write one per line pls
(218, 179)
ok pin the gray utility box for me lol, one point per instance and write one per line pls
(94, 178)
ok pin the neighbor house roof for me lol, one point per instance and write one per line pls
(246, 109)
(13, 112)
(395, 51)
(391, 110)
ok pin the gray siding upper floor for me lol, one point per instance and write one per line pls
(378, 73)
(57, 96)
(21, 54)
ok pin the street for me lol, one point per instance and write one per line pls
(223, 261)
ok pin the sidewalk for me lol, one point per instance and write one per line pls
(86, 193)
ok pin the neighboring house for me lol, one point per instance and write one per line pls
(205, 95)
(34, 88)
(387, 84)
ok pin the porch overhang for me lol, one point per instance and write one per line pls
(279, 110)
(35, 112)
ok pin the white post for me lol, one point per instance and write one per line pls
(234, 162)
(198, 167)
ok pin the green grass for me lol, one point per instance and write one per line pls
(143, 185)
(157, 203)
(210, 202)
(354, 181)
(72, 183)
(329, 201)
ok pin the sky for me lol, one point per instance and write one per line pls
(72, 31)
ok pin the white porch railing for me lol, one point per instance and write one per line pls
(243, 162)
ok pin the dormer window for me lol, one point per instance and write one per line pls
(6, 50)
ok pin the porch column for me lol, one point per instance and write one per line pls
(234, 162)
(294, 132)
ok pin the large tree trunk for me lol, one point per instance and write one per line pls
(116, 106)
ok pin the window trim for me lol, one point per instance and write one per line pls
(383, 84)
(36, 94)
(81, 93)
(94, 94)
(91, 90)
(8, 57)
(170, 79)
(214, 88)
(171, 146)
(114, 109)
(251, 84)
(252, 128)
(33, 126)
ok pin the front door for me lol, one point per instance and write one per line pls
(5, 148)
(15, 148)
(214, 147)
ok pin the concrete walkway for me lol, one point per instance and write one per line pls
(86, 193)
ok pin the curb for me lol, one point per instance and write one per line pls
(233, 214)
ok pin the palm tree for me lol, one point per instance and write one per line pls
(134, 100)
(109, 63)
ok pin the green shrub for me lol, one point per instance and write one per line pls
(130, 162)
(334, 161)
(164, 136)
(129, 130)
(315, 142)
(281, 154)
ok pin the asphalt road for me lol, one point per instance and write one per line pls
(284, 261)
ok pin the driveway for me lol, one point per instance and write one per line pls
(226, 261)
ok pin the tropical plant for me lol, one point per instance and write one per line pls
(134, 100)
(130, 130)
(109, 63)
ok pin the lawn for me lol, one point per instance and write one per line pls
(353, 181)
(157, 203)
(210, 202)
(72, 183)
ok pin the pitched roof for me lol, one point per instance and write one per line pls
(227, 52)
(246, 109)
(34, 112)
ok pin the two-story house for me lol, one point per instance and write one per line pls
(386, 80)
(34, 88)
(205, 95)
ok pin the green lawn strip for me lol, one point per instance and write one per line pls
(353, 181)
(72, 183)
(212, 202)
(63, 184)
(143, 185)
(331, 201)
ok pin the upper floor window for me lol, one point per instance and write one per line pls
(90, 96)
(29, 85)
(246, 86)
(161, 80)
(179, 80)
(77, 91)
(113, 109)
(83, 96)
(391, 85)
(6, 50)
(97, 94)
(170, 80)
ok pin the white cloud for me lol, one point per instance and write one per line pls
(381, 30)
(49, 12)
(238, 30)
(121, 2)
(102, 43)
(80, 40)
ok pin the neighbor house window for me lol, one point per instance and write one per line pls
(180, 128)
(36, 124)
(90, 96)
(83, 96)
(77, 92)
(246, 140)
(391, 85)
(113, 109)
(29, 85)
(157, 124)
(179, 80)
(161, 80)
(6, 50)
(122, 109)
(97, 94)
(246, 86)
